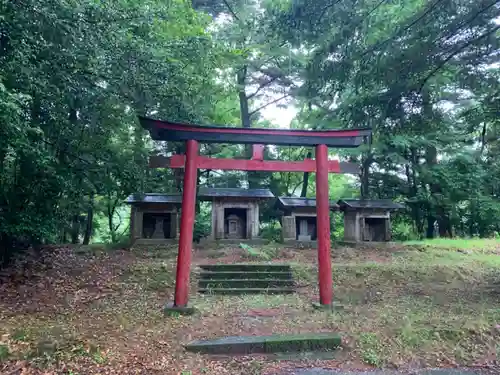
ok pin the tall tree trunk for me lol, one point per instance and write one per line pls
(90, 219)
(419, 220)
(111, 213)
(75, 229)
(431, 162)
(246, 121)
(365, 176)
(305, 178)
(430, 226)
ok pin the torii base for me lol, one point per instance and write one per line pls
(170, 310)
(330, 307)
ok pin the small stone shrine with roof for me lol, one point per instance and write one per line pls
(235, 212)
(154, 217)
(367, 220)
(298, 220)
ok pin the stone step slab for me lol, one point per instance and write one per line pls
(267, 344)
(245, 283)
(240, 291)
(246, 267)
(220, 275)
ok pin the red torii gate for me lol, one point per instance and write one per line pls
(191, 161)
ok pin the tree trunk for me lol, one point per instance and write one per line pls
(90, 218)
(75, 229)
(430, 226)
(246, 121)
(365, 175)
(305, 178)
(111, 212)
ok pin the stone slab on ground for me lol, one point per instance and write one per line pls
(321, 371)
(240, 291)
(246, 267)
(266, 344)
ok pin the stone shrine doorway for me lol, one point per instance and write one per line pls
(375, 229)
(157, 225)
(235, 223)
(305, 228)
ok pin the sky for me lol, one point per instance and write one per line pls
(279, 116)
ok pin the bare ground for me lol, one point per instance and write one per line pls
(82, 311)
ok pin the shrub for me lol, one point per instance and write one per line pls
(271, 231)
(403, 231)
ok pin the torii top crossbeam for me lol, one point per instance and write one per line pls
(192, 161)
(171, 131)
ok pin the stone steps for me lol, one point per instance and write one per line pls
(211, 275)
(267, 344)
(240, 291)
(246, 283)
(246, 267)
(236, 279)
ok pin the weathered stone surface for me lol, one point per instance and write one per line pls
(235, 279)
(267, 344)
(170, 309)
(288, 231)
(304, 238)
(249, 267)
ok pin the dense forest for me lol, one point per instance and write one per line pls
(75, 74)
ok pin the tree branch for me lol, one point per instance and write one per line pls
(453, 54)
(323, 12)
(261, 86)
(231, 10)
(268, 104)
(402, 30)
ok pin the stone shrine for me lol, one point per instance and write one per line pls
(153, 217)
(298, 220)
(235, 212)
(368, 220)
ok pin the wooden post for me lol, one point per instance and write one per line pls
(187, 224)
(323, 225)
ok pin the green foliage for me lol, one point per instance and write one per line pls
(4, 352)
(74, 76)
(370, 349)
(403, 231)
(202, 223)
(271, 231)
(265, 253)
(336, 226)
(253, 253)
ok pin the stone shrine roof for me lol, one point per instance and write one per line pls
(300, 202)
(381, 204)
(154, 198)
(207, 192)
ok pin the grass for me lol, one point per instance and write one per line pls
(476, 244)
(431, 305)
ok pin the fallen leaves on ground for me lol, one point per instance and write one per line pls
(67, 312)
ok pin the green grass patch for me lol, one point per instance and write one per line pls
(370, 347)
(476, 244)
(262, 253)
(4, 352)
(304, 274)
(421, 305)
